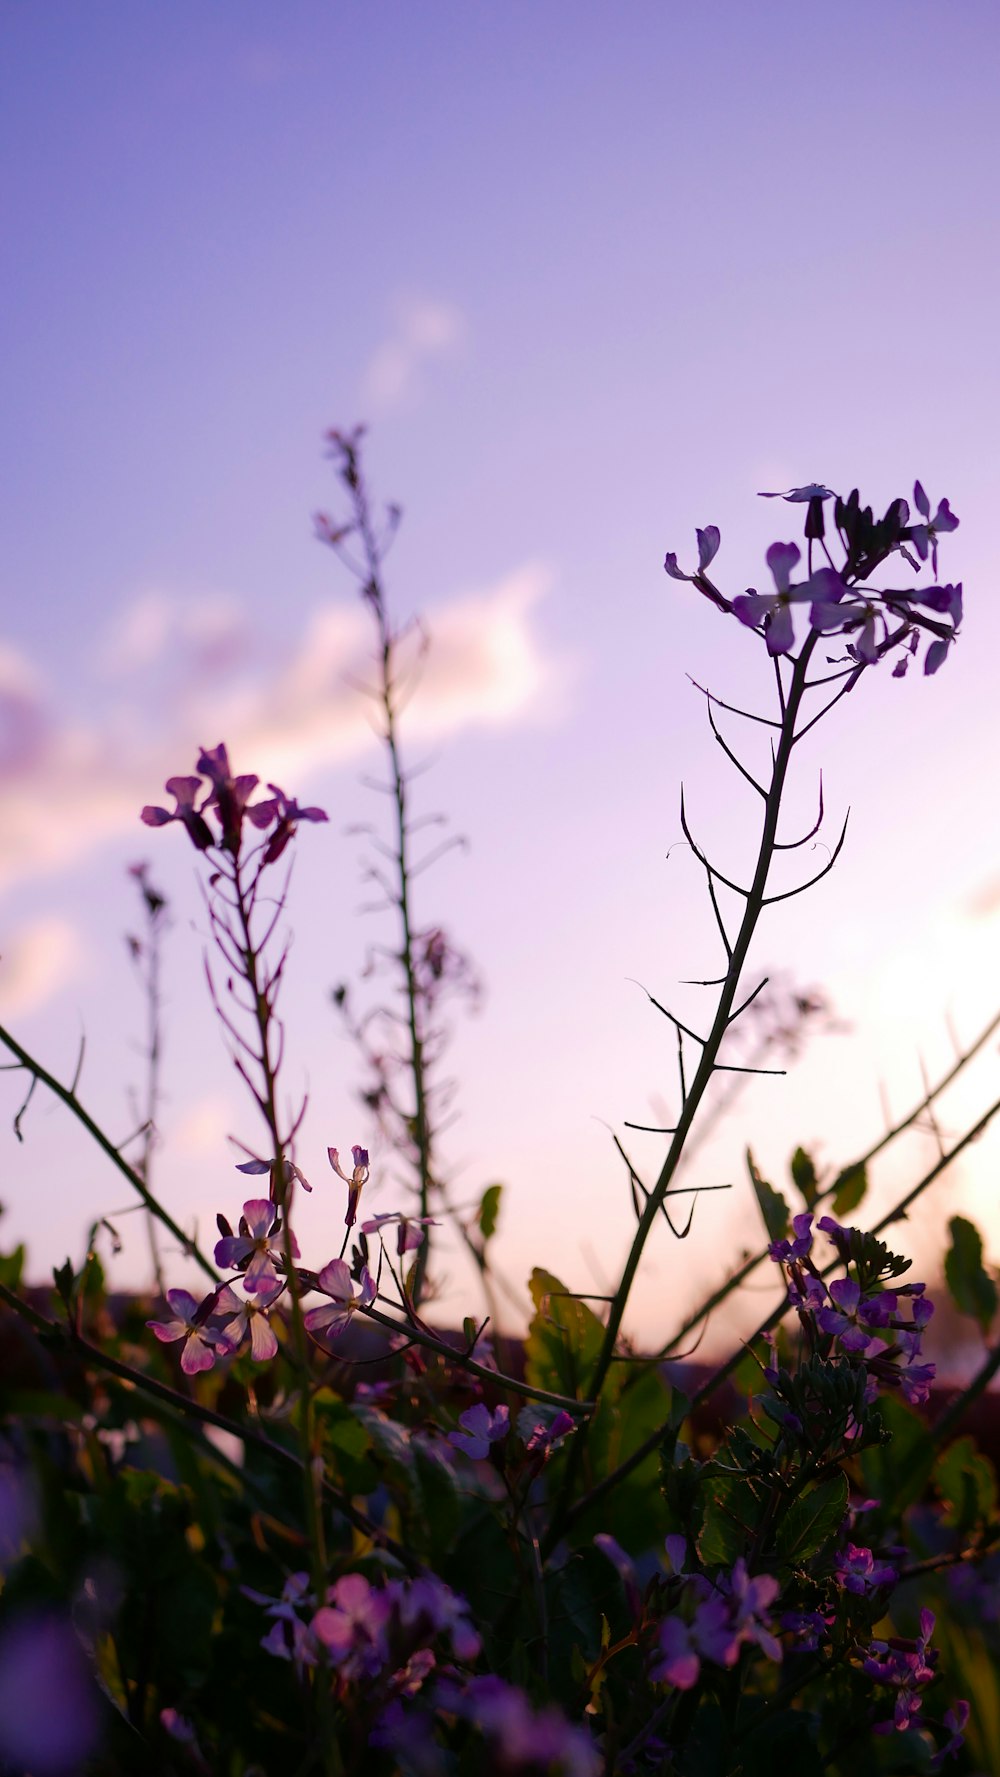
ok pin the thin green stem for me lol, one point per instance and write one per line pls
(755, 902)
(420, 1124)
(284, 1190)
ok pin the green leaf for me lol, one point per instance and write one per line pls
(488, 1212)
(62, 1277)
(967, 1483)
(733, 1509)
(897, 1471)
(811, 1520)
(11, 1266)
(771, 1203)
(849, 1189)
(804, 1176)
(564, 1338)
(971, 1287)
(349, 1442)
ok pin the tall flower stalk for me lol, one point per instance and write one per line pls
(838, 605)
(404, 1089)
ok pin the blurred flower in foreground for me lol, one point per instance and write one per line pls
(48, 1704)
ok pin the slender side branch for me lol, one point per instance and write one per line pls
(67, 1096)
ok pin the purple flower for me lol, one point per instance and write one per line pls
(679, 1661)
(906, 1666)
(288, 1637)
(251, 1249)
(955, 1720)
(708, 549)
(914, 1378)
(856, 1570)
(812, 491)
(808, 1627)
(200, 1341)
(806, 1291)
(676, 1551)
(288, 816)
(752, 1597)
(945, 599)
(852, 1319)
(335, 1281)
(840, 1235)
(525, 1740)
(682, 1646)
(49, 1715)
(544, 1437)
(936, 655)
(783, 1251)
(183, 790)
(354, 1180)
(924, 537)
(430, 1608)
(481, 1428)
(822, 590)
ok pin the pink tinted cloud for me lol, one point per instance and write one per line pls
(286, 709)
(36, 963)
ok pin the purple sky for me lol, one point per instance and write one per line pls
(594, 278)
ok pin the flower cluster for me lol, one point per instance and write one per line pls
(711, 1618)
(905, 1667)
(874, 622)
(369, 1632)
(217, 793)
(855, 1317)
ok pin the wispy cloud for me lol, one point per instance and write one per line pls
(170, 680)
(37, 963)
(424, 330)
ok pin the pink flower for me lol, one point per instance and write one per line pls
(857, 1570)
(352, 1626)
(240, 1319)
(354, 1180)
(230, 797)
(200, 1341)
(292, 1173)
(335, 1281)
(183, 790)
(683, 1646)
(409, 1229)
